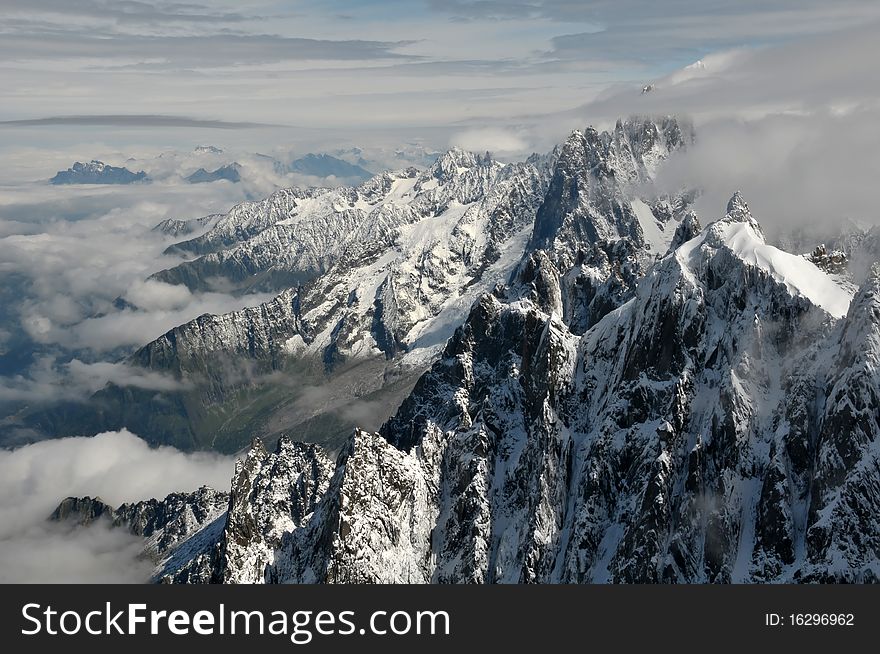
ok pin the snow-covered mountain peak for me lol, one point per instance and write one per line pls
(738, 208)
(93, 166)
(630, 152)
(738, 237)
(737, 221)
(738, 212)
(590, 197)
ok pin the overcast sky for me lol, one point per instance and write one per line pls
(369, 69)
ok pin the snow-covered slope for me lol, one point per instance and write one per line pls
(385, 269)
(286, 240)
(743, 237)
(370, 266)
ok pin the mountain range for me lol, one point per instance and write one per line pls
(586, 382)
(97, 172)
(208, 163)
(371, 281)
(229, 172)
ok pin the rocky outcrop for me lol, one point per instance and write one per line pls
(82, 510)
(599, 235)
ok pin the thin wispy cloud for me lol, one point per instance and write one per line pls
(681, 15)
(214, 50)
(123, 120)
(129, 11)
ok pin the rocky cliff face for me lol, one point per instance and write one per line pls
(599, 235)
(842, 534)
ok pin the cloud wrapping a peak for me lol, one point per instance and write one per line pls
(116, 466)
(793, 126)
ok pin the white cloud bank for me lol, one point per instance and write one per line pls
(117, 466)
(75, 380)
(793, 126)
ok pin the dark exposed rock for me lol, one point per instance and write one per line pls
(97, 172)
(229, 173)
(82, 510)
(180, 531)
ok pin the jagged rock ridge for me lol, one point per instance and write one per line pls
(181, 532)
